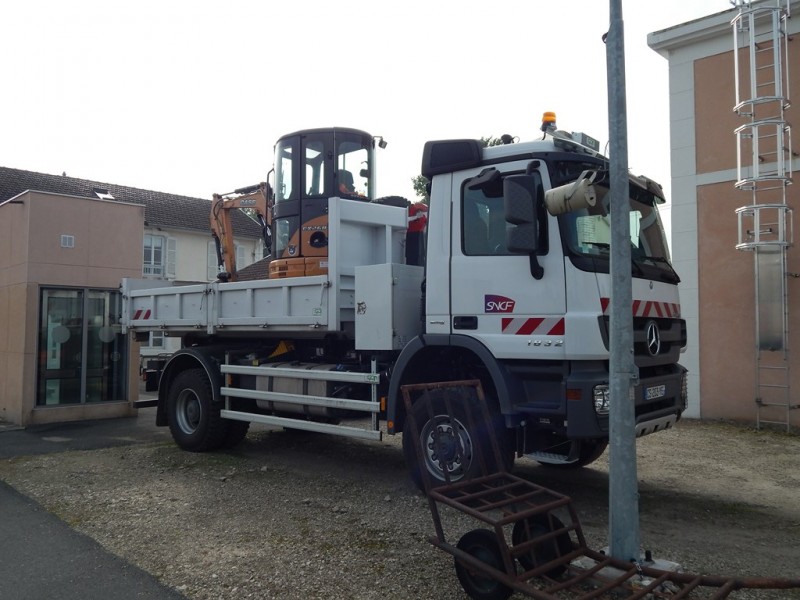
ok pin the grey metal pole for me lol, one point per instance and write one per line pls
(623, 490)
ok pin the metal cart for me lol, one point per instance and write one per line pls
(530, 539)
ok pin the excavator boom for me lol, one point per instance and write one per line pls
(258, 199)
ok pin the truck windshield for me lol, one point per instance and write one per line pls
(588, 235)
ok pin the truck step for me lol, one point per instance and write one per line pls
(552, 458)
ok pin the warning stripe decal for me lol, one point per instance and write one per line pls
(533, 326)
(138, 314)
(647, 308)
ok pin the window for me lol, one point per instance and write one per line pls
(241, 256)
(213, 269)
(315, 168)
(156, 339)
(153, 255)
(159, 256)
(102, 193)
(283, 173)
(484, 224)
(352, 160)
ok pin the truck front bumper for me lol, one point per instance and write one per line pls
(659, 400)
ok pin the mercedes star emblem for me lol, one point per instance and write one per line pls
(653, 338)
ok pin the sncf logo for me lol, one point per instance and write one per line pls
(497, 304)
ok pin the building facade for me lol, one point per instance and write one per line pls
(65, 245)
(735, 373)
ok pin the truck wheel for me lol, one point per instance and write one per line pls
(483, 545)
(237, 430)
(440, 438)
(194, 419)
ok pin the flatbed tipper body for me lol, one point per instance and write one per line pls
(362, 234)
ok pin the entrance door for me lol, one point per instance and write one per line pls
(82, 354)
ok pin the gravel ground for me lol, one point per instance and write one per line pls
(297, 515)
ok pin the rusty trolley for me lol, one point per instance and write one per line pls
(530, 539)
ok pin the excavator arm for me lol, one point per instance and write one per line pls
(258, 199)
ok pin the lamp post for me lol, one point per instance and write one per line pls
(623, 488)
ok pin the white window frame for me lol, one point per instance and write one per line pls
(166, 267)
(156, 340)
(242, 259)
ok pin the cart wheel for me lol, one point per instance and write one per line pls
(482, 544)
(548, 550)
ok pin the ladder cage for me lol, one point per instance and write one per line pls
(764, 168)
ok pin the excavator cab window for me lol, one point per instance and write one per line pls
(315, 168)
(284, 181)
(321, 163)
(352, 168)
(312, 166)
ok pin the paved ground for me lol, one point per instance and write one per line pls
(42, 557)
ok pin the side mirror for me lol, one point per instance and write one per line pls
(520, 198)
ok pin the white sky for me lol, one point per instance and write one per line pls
(189, 97)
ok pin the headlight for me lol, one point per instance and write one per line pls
(601, 399)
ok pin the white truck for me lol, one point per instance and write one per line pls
(511, 287)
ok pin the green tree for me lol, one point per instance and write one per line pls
(420, 182)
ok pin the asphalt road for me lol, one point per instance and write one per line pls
(40, 555)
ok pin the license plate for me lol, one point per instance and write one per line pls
(655, 391)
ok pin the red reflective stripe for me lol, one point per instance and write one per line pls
(558, 328)
(647, 308)
(529, 326)
(137, 314)
(506, 322)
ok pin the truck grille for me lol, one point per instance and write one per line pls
(671, 334)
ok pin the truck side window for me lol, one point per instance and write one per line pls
(483, 224)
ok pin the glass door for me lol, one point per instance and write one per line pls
(82, 354)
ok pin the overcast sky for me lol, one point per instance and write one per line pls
(189, 97)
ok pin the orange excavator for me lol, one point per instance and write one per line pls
(257, 199)
(311, 166)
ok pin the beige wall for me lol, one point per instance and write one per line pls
(727, 331)
(715, 120)
(108, 247)
(718, 281)
(726, 276)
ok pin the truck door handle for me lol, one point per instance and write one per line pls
(470, 322)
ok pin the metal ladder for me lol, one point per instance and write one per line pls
(764, 168)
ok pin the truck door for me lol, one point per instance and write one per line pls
(494, 295)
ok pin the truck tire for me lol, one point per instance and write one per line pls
(194, 420)
(455, 430)
(237, 430)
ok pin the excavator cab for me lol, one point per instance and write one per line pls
(311, 166)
